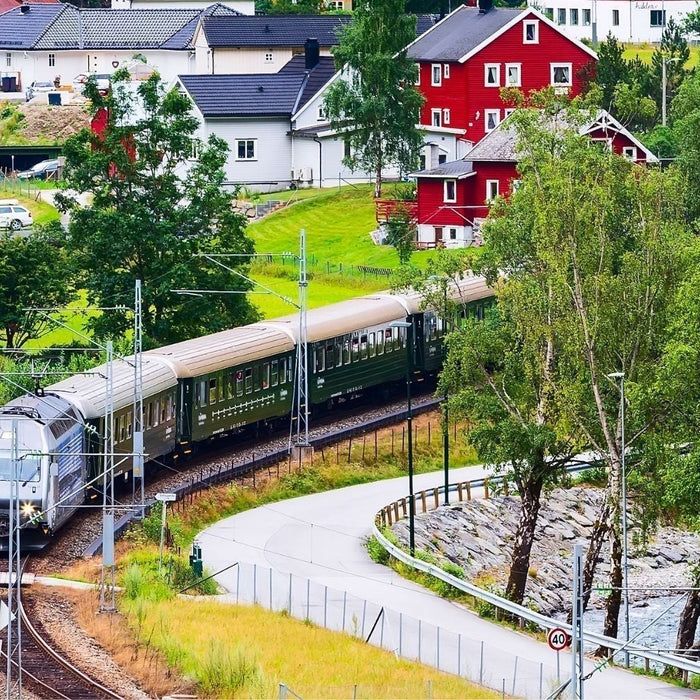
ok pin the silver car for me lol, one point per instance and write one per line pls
(14, 216)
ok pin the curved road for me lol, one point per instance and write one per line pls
(316, 543)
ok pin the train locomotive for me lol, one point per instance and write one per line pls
(51, 444)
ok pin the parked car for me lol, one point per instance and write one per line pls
(13, 215)
(36, 87)
(43, 170)
(102, 79)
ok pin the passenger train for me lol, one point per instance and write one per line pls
(51, 447)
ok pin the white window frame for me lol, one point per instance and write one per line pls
(662, 13)
(436, 74)
(320, 113)
(561, 16)
(246, 141)
(616, 18)
(508, 111)
(535, 24)
(8, 59)
(445, 185)
(488, 67)
(629, 152)
(496, 114)
(445, 70)
(52, 60)
(518, 67)
(585, 17)
(436, 116)
(452, 233)
(553, 67)
(492, 190)
(573, 16)
(445, 116)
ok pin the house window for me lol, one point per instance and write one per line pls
(52, 60)
(560, 73)
(347, 152)
(445, 116)
(549, 13)
(586, 18)
(616, 18)
(268, 57)
(442, 158)
(8, 59)
(436, 117)
(491, 190)
(658, 18)
(446, 70)
(573, 16)
(436, 75)
(320, 113)
(450, 191)
(492, 118)
(561, 15)
(512, 75)
(507, 112)
(629, 152)
(531, 31)
(492, 74)
(453, 234)
(246, 149)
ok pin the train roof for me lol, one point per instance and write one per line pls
(210, 353)
(88, 391)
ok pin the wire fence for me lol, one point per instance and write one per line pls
(403, 635)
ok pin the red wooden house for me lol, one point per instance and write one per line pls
(471, 54)
(454, 198)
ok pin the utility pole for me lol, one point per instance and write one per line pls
(577, 626)
(302, 446)
(137, 420)
(107, 583)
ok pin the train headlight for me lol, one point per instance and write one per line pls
(28, 510)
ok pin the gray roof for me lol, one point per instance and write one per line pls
(498, 145)
(282, 30)
(260, 94)
(461, 32)
(56, 27)
(454, 168)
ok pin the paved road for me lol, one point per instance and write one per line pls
(320, 540)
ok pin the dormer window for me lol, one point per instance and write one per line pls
(531, 31)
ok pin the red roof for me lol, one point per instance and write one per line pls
(6, 5)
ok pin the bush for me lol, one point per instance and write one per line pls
(225, 673)
(377, 553)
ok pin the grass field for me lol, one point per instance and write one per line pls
(645, 51)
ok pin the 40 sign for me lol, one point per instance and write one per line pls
(558, 639)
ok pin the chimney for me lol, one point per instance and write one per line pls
(23, 8)
(485, 6)
(311, 52)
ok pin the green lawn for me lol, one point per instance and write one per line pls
(645, 51)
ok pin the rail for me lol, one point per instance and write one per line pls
(391, 512)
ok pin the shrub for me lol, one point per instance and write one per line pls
(377, 553)
(225, 673)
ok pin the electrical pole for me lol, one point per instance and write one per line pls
(107, 593)
(137, 420)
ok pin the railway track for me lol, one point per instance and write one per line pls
(37, 666)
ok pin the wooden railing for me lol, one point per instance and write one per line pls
(386, 208)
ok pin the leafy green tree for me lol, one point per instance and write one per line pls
(611, 69)
(36, 271)
(375, 102)
(685, 111)
(401, 234)
(674, 50)
(152, 211)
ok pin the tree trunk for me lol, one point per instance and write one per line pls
(612, 606)
(600, 530)
(688, 622)
(524, 537)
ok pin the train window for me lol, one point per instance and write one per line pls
(329, 356)
(249, 380)
(380, 343)
(274, 373)
(398, 338)
(363, 347)
(372, 346)
(283, 370)
(156, 412)
(388, 344)
(480, 312)
(290, 371)
(346, 350)
(149, 419)
(266, 375)
(128, 424)
(212, 390)
(431, 323)
(121, 429)
(355, 349)
(228, 386)
(173, 406)
(338, 354)
(164, 409)
(239, 383)
(256, 378)
(200, 393)
(319, 359)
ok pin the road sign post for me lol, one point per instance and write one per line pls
(558, 639)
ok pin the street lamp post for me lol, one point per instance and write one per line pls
(409, 373)
(621, 377)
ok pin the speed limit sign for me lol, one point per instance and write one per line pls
(558, 639)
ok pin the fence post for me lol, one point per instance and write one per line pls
(481, 664)
(515, 675)
(486, 489)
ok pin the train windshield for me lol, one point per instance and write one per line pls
(27, 469)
